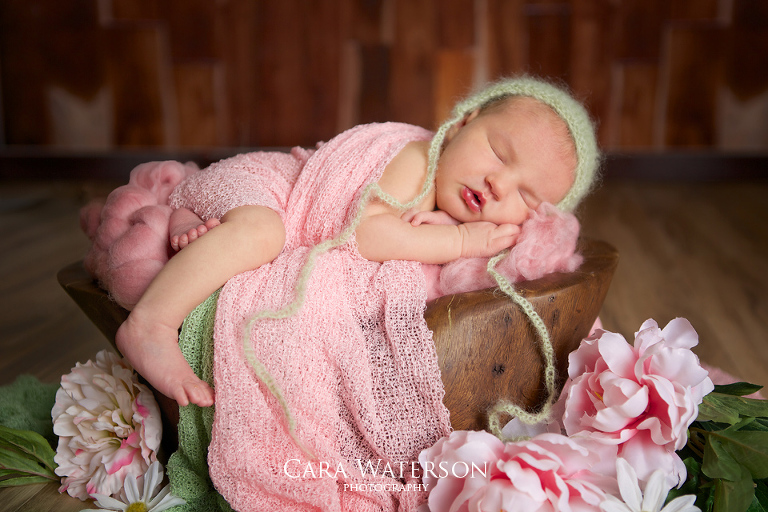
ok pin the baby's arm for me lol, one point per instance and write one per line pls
(417, 217)
(385, 236)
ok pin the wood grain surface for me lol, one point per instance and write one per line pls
(196, 73)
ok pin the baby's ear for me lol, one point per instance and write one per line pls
(472, 115)
(453, 130)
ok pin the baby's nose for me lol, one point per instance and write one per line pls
(500, 185)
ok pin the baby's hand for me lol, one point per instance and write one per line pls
(418, 217)
(485, 239)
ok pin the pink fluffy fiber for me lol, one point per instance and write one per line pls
(129, 232)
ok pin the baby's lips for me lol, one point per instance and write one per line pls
(473, 199)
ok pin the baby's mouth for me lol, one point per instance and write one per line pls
(474, 200)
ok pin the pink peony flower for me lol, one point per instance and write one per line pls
(108, 426)
(474, 471)
(640, 398)
(443, 467)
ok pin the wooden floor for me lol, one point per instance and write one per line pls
(694, 250)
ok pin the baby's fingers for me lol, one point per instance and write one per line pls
(506, 231)
(410, 215)
(504, 236)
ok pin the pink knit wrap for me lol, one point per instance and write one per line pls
(356, 363)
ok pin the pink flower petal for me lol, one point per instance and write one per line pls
(125, 460)
(99, 438)
(645, 456)
(583, 359)
(502, 496)
(617, 354)
(679, 333)
(648, 336)
(680, 365)
(637, 396)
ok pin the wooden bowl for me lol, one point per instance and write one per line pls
(486, 348)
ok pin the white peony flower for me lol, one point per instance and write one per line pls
(656, 491)
(147, 501)
(108, 425)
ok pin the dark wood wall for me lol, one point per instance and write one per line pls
(101, 74)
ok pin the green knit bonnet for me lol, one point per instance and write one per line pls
(571, 111)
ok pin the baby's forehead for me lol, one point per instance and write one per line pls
(527, 108)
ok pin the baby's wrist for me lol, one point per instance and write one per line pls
(463, 242)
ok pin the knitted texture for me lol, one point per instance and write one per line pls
(26, 405)
(187, 467)
(260, 178)
(354, 365)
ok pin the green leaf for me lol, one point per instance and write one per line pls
(25, 457)
(760, 424)
(734, 496)
(710, 426)
(15, 461)
(737, 388)
(760, 501)
(24, 480)
(729, 409)
(705, 498)
(714, 408)
(718, 462)
(749, 448)
(29, 443)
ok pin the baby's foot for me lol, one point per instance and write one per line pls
(185, 235)
(154, 352)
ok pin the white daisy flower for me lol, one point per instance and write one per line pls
(134, 501)
(656, 491)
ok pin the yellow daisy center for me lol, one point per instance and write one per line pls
(138, 506)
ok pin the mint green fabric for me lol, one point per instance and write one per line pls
(188, 467)
(26, 405)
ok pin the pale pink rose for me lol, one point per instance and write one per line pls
(108, 426)
(549, 472)
(641, 398)
(443, 467)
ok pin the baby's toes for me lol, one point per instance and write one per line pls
(180, 395)
(192, 235)
(199, 393)
(212, 223)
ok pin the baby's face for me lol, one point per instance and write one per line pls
(501, 164)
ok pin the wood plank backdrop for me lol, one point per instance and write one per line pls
(102, 74)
